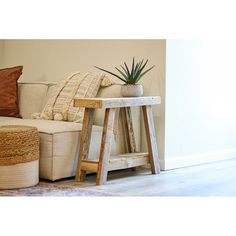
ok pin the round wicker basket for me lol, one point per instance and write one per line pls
(19, 156)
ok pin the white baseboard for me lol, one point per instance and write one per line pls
(202, 158)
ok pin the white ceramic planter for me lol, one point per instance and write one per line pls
(132, 90)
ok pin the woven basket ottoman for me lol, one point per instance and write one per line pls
(19, 156)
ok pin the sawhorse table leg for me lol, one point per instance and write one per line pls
(151, 139)
(84, 142)
(105, 150)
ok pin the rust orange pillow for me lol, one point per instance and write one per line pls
(9, 91)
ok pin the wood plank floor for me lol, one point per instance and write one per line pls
(214, 179)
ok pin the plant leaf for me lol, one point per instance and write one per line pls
(141, 75)
(132, 70)
(127, 71)
(111, 73)
(123, 74)
(124, 70)
(136, 67)
(144, 65)
(141, 67)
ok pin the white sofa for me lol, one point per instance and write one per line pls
(59, 140)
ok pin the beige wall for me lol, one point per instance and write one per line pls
(1, 52)
(52, 60)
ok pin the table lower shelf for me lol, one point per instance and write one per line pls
(118, 162)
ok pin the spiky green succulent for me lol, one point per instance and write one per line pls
(130, 76)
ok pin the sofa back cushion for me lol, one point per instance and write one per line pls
(32, 97)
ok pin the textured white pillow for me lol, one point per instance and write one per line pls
(88, 89)
(47, 112)
(60, 105)
(66, 96)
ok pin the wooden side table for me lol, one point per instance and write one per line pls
(105, 162)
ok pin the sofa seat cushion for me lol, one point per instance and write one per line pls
(59, 145)
(47, 126)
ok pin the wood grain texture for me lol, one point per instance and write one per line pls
(128, 160)
(116, 102)
(89, 165)
(124, 128)
(129, 129)
(105, 150)
(151, 138)
(84, 142)
(133, 159)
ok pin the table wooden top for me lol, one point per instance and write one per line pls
(116, 102)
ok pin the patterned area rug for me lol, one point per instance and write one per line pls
(53, 190)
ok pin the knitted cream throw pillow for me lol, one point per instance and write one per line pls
(88, 89)
(60, 104)
(66, 96)
(47, 112)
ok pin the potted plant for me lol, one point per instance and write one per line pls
(131, 77)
